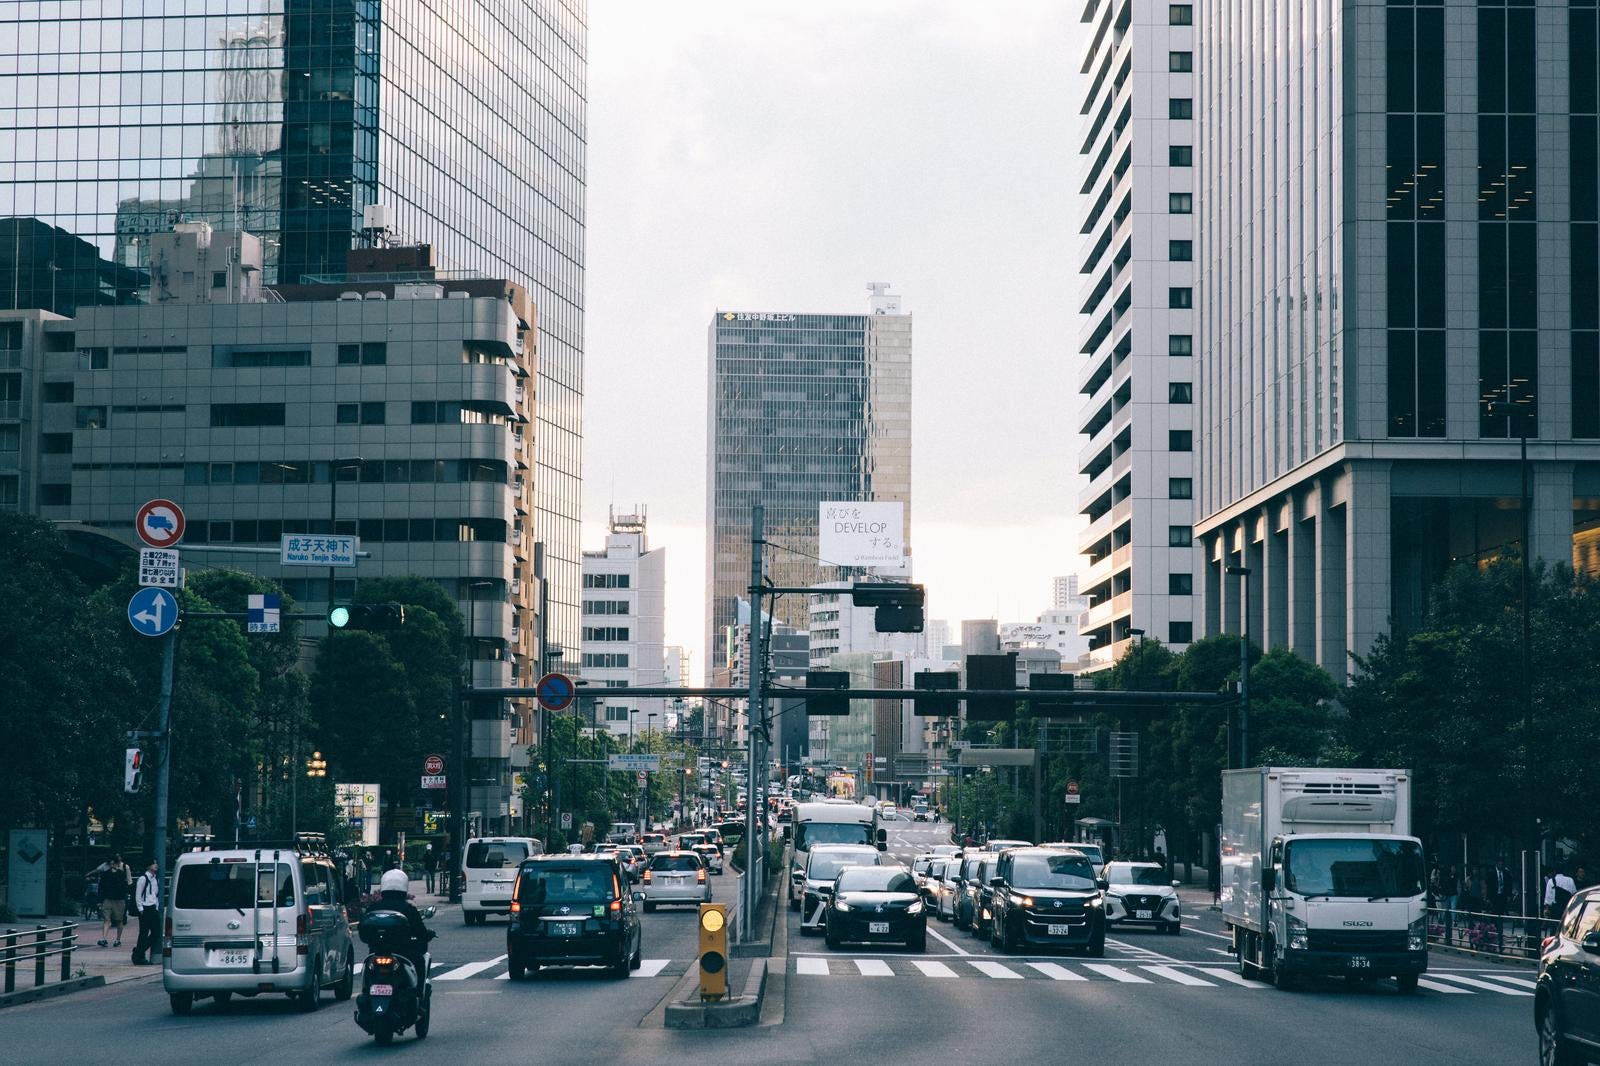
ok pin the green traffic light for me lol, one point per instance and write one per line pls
(339, 617)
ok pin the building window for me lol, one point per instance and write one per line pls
(606, 633)
(1180, 632)
(57, 392)
(1180, 344)
(1416, 383)
(1180, 203)
(616, 714)
(55, 443)
(1180, 296)
(1586, 385)
(605, 660)
(606, 607)
(1180, 440)
(1180, 107)
(55, 495)
(347, 414)
(374, 353)
(10, 490)
(1180, 488)
(1180, 62)
(1180, 584)
(349, 354)
(1180, 392)
(247, 414)
(1180, 14)
(1180, 155)
(1180, 251)
(92, 417)
(435, 412)
(1508, 383)
(372, 413)
(1180, 536)
(607, 581)
(11, 439)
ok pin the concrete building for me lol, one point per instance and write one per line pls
(1138, 198)
(675, 665)
(980, 636)
(803, 408)
(1404, 279)
(321, 129)
(1064, 592)
(392, 410)
(837, 626)
(624, 623)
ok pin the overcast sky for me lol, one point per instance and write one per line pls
(777, 157)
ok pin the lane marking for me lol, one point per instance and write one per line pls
(1178, 975)
(650, 967)
(1151, 954)
(1220, 951)
(811, 964)
(503, 976)
(947, 942)
(1473, 982)
(1434, 986)
(1229, 976)
(994, 969)
(461, 973)
(873, 968)
(1056, 972)
(933, 969)
(1115, 974)
(1520, 982)
(1203, 932)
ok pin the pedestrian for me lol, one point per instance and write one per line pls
(1559, 888)
(1580, 877)
(1499, 888)
(147, 897)
(427, 866)
(114, 886)
(1435, 887)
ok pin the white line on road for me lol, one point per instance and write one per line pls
(1116, 974)
(994, 969)
(817, 967)
(1153, 956)
(874, 968)
(941, 938)
(1057, 973)
(1229, 976)
(1202, 932)
(1178, 975)
(651, 967)
(1434, 986)
(1220, 951)
(933, 969)
(1473, 982)
(461, 973)
(1520, 982)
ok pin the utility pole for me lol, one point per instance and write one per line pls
(754, 719)
(169, 651)
(1243, 573)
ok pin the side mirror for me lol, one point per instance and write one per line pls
(427, 912)
(638, 897)
(1591, 943)
(1101, 883)
(1268, 880)
(1176, 884)
(997, 882)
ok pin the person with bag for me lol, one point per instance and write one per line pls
(114, 886)
(1559, 889)
(147, 897)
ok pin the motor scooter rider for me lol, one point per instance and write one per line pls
(393, 896)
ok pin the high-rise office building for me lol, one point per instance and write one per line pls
(803, 408)
(318, 126)
(1138, 200)
(1398, 212)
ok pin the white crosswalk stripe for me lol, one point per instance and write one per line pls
(1434, 986)
(994, 969)
(1178, 975)
(461, 973)
(1518, 982)
(650, 967)
(874, 968)
(1116, 974)
(813, 966)
(1229, 976)
(1473, 982)
(1056, 973)
(933, 969)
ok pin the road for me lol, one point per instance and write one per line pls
(1152, 999)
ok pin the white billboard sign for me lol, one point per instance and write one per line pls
(870, 534)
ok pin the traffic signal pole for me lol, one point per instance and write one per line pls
(169, 653)
(754, 720)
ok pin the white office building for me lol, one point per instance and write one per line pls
(624, 624)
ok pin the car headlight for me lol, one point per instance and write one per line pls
(1093, 904)
(840, 905)
(1026, 901)
(915, 908)
(1298, 938)
(1417, 934)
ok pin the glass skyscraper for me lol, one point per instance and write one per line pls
(803, 408)
(463, 119)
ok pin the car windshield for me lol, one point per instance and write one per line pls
(826, 867)
(921, 866)
(675, 862)
(809, 835)
(874, 879)
(689, 841)
(216, 886)
(1051, 871)
(564, 884)
(1362, 867)
(1121, 873)
(496, 856)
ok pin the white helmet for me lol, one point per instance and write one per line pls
(394, 881)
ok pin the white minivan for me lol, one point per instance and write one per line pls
(489, 871)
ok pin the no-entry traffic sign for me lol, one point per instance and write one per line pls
(159, 523)
(555, 692)
(433, 765)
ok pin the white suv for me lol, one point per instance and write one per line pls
(1141, 893)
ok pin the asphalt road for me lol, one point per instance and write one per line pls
(1153, 999)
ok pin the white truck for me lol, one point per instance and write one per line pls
(1320, 874)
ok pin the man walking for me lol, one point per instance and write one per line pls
(1499, 888)
(114, 885)
(147, 897)
(1558, 891)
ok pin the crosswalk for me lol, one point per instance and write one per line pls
(496, 969)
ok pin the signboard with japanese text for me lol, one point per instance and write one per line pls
(869, 534)
(360, 806)
(158, 567)
(318, 549)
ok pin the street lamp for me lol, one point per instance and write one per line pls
(1243, 574)
(316, 766)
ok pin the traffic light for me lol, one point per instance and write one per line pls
(366, 616)
(934, 681)
(992, 672)
(835, 706)
(899, 605)
(713, 951)
(1043, 706)
(133, 770)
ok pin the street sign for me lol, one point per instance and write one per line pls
(303, 549)
(1072, 793)
(262, 612)
(433, 781)
(152, 612)
(159, 567)
(649, 763)
(433, 764)
(159, 523)
(555, 692)
(566, 819)
(960, 745)
(644, 779)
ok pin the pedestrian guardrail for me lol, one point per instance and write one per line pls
(37, 946)
(1510, 936)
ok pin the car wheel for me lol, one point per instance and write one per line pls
(919, 943)
(515, 969)
(310, 998)
(994, 931)
(1009, 941)
(638, 955)
(1406, 983)
(832, 941)
(1173, 928)
(425, 1016)
(1097, 947)
(1277, 976)
(1553, 1047)
(619, 969)
(794, 904)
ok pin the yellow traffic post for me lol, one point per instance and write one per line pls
(713, 952)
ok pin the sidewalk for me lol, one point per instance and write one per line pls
(89, 959)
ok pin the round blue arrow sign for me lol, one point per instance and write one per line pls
(554, 691)
(152, 612)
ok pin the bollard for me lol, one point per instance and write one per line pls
(69, 940)
(38, 960)
(11, 960)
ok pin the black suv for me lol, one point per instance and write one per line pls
(574, 910)
(1047, 898)
(1566, 1005)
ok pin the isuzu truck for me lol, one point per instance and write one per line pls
(1320, 875)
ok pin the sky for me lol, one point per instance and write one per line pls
(766, 156)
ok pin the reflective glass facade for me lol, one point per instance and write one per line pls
(803, 408)
(465, 118)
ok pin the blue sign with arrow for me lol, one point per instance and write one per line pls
(153, 612)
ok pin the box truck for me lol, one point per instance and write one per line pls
(1320, 874)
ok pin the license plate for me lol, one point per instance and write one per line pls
(877, 927)
(563, 928)
(1360, 962)
(1147, 915)
(381, 990)
(1057, 930)
(228, 957)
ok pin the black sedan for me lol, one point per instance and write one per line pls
(1566, 1006)
(876, 903)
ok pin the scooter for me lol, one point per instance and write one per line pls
(394, 996)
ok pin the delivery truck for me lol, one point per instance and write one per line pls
(1320, 875)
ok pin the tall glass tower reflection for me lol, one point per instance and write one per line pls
(464, 118)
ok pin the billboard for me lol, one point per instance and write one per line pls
(869, 534)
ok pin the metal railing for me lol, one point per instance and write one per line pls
(1509, 936)
(36, 947)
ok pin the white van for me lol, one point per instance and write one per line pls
(489, 871)
(243, 921)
